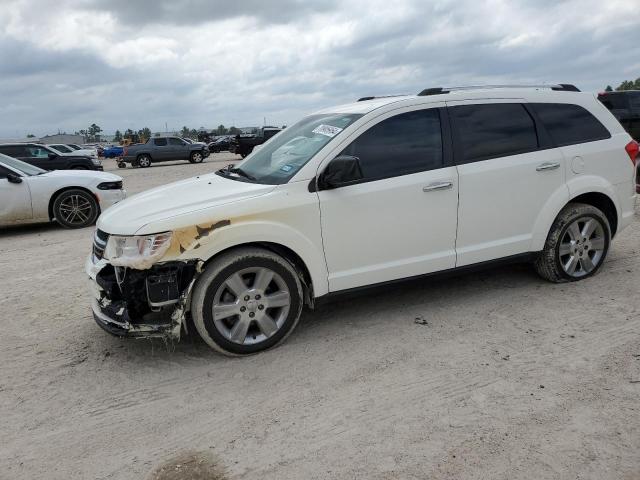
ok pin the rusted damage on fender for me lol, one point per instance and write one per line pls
(192, 237)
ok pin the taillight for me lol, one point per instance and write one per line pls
(632, 149)
(124, 151)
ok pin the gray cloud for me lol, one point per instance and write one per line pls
(122, 65)
(192, 12)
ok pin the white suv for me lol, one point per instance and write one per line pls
(366, 193)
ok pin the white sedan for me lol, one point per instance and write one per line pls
(73, 198)
(65, 150)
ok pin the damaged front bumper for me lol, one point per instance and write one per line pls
(141, 303)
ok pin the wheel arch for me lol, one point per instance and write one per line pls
(285, 252)
(60, 191)
(602, 202)
(600, 198)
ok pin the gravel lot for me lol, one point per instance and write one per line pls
(492, 375)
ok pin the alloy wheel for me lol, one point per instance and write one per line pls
(251, 305)
(582, 247)
(75, 210)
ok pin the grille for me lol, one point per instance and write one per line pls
(99, 243)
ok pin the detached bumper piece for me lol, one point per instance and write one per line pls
(143, 303)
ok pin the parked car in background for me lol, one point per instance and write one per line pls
(243, 145)
(67, 150)
(221, 144)
(625, 106)
(113, 151)
(161, 149)
(73, 199)
(367, 194)
(49, 159)
(95, 146)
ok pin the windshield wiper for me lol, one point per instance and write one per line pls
(242, 173)
(229, 169)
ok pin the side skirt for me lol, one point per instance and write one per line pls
(452, 272)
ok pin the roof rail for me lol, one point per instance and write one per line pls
(364, 99)
(565, 87)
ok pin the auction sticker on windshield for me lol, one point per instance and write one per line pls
(327, 130)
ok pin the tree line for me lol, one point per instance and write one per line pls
(185, 132)
(625, 85)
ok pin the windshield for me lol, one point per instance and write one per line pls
(25, 168)
(278, 160)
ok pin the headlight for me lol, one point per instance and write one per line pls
(139, 251)
(110, 185)
(95, 161)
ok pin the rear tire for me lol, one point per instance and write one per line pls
(576, 246)
(75, 209)
(257, 298)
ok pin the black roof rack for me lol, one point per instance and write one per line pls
(565, 87)
(364, 99)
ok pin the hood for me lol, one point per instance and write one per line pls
(176, 200)
(79, 175)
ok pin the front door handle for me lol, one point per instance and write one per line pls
(547, 166)
(437, 186)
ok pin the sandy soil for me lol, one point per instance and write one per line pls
(492, 375)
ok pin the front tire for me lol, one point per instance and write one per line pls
(576, 246)
(144, 161)
(196, 157)
(75, 209)
(246, 301)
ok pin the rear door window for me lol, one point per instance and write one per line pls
(407, 143)
(494, 130)
(569, 124)
(14, 150)
(160, 142)
(176, 141)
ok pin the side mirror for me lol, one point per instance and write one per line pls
(341, 171)
(13, 178)
(52, 156)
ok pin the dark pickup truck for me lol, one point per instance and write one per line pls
(625, 106)
(162, 149)
(244, 144)
(47, 158)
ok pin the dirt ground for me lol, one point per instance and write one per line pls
(494, 375)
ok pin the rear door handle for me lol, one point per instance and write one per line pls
(547, 166)
(437, 186)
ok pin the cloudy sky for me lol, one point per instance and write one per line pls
(65, 64)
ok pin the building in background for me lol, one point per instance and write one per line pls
(62, 138)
